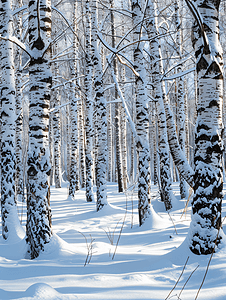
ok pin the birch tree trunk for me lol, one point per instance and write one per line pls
(51, 148)
(178, 156)
(81, 141)
(88, 107)
(73, 115)
(101, 116)
(73, 176)
(20, 158)
(56, 132)
(180, 98)
(55, 118)
(123, 119)
(118, 108)
(187, 144)
(163, 147)
(124, 150)
(38, 227)
(141, 118)
(7, 88)
(68, 139)
(110, 150)
(205, 226)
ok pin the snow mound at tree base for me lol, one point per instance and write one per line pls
(57, 248)
(42, 291)
(39, 291)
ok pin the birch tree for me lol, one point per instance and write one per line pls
(73, 114)
(117, 112)
(123, 116)
(88, 106)
(141, 117)
(38, 228)
(180, 97)
(101, 115)
(165, 172)
(7, 88)
(178, 156)
(205, 226)
(20, 158)
(56, 120)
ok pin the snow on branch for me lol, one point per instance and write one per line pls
(17, 42)
(128, 116)
(69, 25)
(124, 63)
(62, 53)
(18, 10)
(181, 74)
(54, 109)
(66, 82)
(195, 12)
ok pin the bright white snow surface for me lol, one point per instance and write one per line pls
(147, 263)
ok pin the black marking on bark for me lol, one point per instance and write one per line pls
(203, 126)
(38, 44)
(213, 103)
(202, 64)
(214, 68)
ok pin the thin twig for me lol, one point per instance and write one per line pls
(124, 63)
(120, 233)
(178, 278)
(89, 248)
(111, 235)
(172, 222)
(186, 206)
(187, 280)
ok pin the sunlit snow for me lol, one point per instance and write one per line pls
(147, 262)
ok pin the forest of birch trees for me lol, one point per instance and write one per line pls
(126, 91)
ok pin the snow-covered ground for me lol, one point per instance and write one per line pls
(141, 263)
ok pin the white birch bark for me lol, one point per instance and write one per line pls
(55, 118)
(117, 112)
(206, 221)
(124, 149)
(186, 123)
(178, 156)
(73, 116)
(38, 227)
(20, 161)
(81, 139)
(68, 140)
(73, 175)
(101, 116)
(8, 162)
(163, 146)
(109, 130)
(142, 123)
(88, 107)
(180, 98)
(123, 120)
(51, 148)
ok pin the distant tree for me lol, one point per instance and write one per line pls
(55, 117)
(118, 107)
(180, 97)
